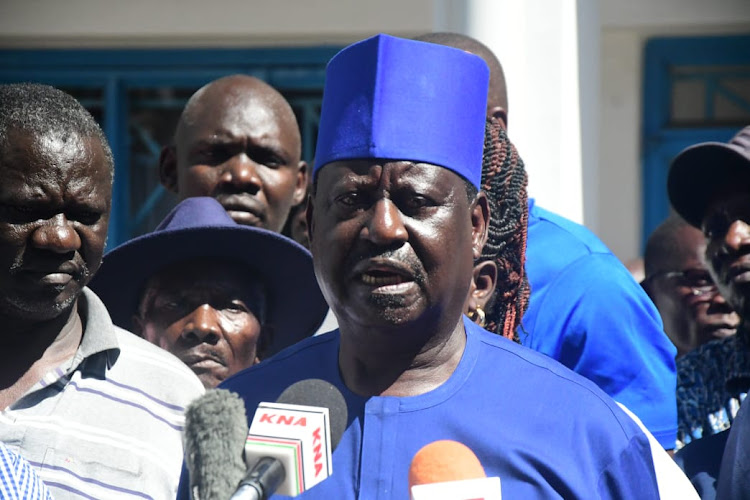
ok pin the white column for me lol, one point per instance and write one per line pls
(549, 50)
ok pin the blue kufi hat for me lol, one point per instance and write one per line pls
(392, 98)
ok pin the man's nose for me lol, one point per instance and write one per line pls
(737, 235)
(241, 172)
(57, 235)
(203, 325)
(386, 226)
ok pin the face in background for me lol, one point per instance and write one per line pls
(688, 301)
(206, 312)
(726, 226)
(55, 197)
(238, 142)
(393, 242)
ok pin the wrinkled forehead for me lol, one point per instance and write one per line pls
(60, 158)
(386, 173)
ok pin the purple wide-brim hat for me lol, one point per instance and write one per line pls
(200, 227)
(398, 99)
(701, 171)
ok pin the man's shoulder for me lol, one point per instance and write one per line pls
(313, 357)
(140, 362)
(573, 239)
(540, 376)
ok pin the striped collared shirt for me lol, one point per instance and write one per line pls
(108, 423)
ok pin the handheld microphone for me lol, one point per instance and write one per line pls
(449, 470)
(215, 432)
(291, 441)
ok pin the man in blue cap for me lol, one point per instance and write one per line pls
(396, 220)
(217, 294)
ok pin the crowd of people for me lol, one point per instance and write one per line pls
(407, 268)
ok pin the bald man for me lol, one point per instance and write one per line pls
(238, 141)
(585, 309)
(679, 283)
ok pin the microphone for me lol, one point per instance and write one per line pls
(449, 470)
(292, 440)
(215, 433)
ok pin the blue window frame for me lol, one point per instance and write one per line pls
(137, 96)
(695, 90)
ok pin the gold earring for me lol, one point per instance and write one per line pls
(478, 316)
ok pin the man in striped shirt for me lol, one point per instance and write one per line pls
(95, 409)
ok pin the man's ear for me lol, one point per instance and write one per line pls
(500, 113)
(168, 168)
(300, 190)
(480, 223)
(309, 218)
(137, 323)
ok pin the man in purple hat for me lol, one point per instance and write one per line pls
(218, 295)
(396, 220)
(96, 410)
(709, 186)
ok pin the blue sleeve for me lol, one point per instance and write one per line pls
(734, 478)
(596, 320)
(183, 490)
(630, 475)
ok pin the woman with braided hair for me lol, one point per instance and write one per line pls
(504, 181)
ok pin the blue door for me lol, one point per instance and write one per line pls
(695, 90)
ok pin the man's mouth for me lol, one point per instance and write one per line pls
(385, 276)
(56, 277)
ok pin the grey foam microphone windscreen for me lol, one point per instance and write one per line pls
(317, 392)
(215, 434)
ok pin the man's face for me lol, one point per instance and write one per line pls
(726, 226)
(393, 242)
(55, 196)
(207, 314)
(687, 299)
(242, 150)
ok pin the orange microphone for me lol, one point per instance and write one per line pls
(449, 470)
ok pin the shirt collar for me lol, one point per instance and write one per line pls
(99, 348)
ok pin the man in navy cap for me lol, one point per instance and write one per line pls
(218, 295)
(709, 186)
(396, 220)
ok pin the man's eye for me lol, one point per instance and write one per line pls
(236, 307)
(350, 199)
(20, 213)
(87, 217)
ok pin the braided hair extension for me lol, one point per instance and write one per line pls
(504, 180)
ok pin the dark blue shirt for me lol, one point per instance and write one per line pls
(587, 312)
(545, 431)
(712, 382)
